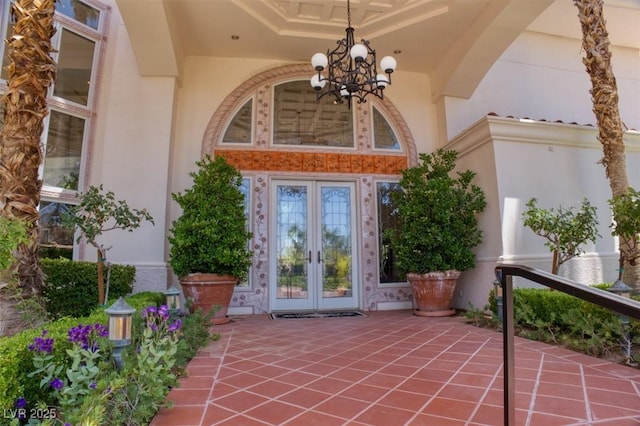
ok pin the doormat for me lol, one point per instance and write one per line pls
(329, 314)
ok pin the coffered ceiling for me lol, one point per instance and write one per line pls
(454, 41)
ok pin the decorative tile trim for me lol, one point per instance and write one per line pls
(318, 162)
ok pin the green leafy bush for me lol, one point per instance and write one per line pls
(556, 317)
(70, 287)
(131, 396)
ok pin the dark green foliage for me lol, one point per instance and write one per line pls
(565, 230)
(211, 234)
(129, 397)
(50, 252)
(195, 336)
(556, 317)
(438, 216)
(626, 214)
(70, 287)
(100, 212)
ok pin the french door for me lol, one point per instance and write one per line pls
(313, 246)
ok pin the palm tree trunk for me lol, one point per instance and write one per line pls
(604, 94)
(31, 72)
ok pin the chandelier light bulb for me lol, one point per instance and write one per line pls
(358, 52)
(316, 83)
(388, 64)
(350, 70)
(319, 61)
(382, 81)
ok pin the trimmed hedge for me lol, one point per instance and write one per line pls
(71, 288)
(17, 359)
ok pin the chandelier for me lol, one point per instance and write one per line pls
(351, 70)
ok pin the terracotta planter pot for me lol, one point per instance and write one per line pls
(433, 292)
(206, 291)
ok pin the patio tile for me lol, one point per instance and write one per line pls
(391, 368)
(274, 412)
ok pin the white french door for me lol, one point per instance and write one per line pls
(313, 246)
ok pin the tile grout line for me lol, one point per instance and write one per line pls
(486, 392)
(215, 376)
(452, 376)
(587, 405)
(534, 392)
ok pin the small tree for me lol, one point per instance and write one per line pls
(564, 229)
(100, 212)
(626, 213)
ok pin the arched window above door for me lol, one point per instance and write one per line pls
(274, 122)
(300, 119)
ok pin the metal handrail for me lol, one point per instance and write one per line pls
(504, 272)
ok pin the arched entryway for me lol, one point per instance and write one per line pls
(317, 177)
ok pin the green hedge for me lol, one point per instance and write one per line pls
(71, 288)
(17, 360)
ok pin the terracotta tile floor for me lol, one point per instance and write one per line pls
(391, 368)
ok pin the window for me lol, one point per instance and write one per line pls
(77, 44)
(55, 240)
(63, 150)
(384, 136)
(245, 188)
(387, 228)
(75, 62)
(80, 32)
(239, 130)
(300, 119)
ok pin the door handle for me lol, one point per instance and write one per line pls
(309, 258)
(319, 258)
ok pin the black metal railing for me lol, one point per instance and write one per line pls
(504, 274)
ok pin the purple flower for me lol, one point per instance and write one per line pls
(21, 402)
(101, 330)
(56, 383)
(175, 326)
(164, 311)
(92, 385)
(85, 335)
(42, 344)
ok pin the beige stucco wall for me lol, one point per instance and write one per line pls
(150, 129)
(542, 77)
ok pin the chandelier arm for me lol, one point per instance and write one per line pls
(350, 72)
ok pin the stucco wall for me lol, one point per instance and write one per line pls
(553, 162)
(542, 77)
(130, 155)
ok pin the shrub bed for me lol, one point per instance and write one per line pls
(99, 394)
(71, 287)
(556, 317)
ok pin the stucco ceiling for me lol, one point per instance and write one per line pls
(443, 38)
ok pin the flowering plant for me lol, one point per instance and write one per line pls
(74, 382)
(79, 374)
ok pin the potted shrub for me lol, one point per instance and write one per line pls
(209, 251)
(438, 229)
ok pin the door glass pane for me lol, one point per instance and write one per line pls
(74, 68)
(291, 242)
(246, 191)
(300, 119)
(79, 11)
(336, 242)
(387, 229)
(63, 150)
